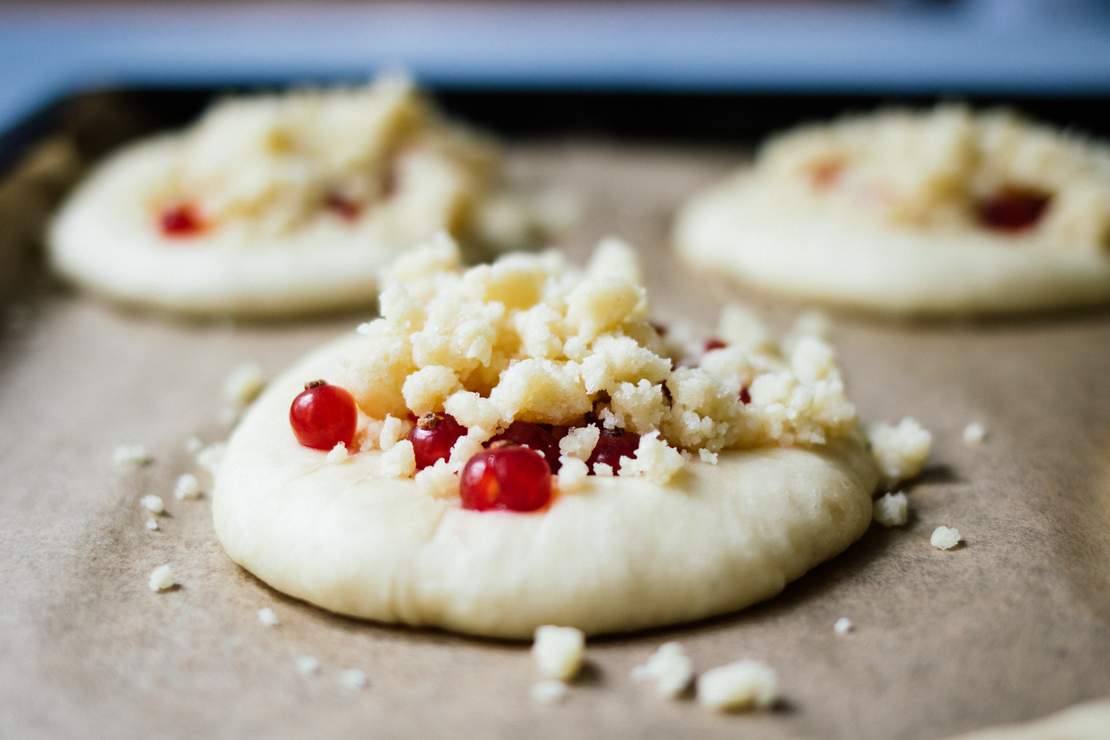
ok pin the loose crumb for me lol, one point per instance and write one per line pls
(244, 383)
(892, 509)
(558, 651)
(193, 445)
(186, 487)
(707, 457)
(548, 692)
(210, 457)
(353, 679)
(152, 524)
(161, 578)
(669, 668)
(900, 449)
(743, 685)
(153, 504)
(843, 626)
(267, 617)
(337, 454)
(306, 665)
(945, 538)
(133, 456)
(974, 434)
(572, 473)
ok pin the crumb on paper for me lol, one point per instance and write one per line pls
(337, 454)
(244, 383)
(745, 684)
(549, 691)
(187, 487)
(892, 509)
(193, 445)
(152, 503)
(152, 524)
(945, 538)
(161, 578)
(133, 456)
(267, 617)
(306, 665)
(669, 668)
(843, 626)
(974, 434)
(558, 651)
(353, 679)
(900, 449)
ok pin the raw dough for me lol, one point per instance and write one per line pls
(878, 212)
(261, 172)
(651, 546)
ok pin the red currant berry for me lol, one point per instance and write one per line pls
(1013, 208)
(323, 415)
(506, 476)
(345, 208)
(714, 343)
(542, 438)
(181, 220)
(432, 438)
(612, 445)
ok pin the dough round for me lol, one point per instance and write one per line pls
(617, 554)
(914, 248)
(262, 172)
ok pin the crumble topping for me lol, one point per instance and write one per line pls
(531, 339)
(951, 169)
(375, 158)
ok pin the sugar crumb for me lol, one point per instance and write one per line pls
(843, 626)
(187, 487)
(974, 434)
(945, 538)
(548, 692)
(892, 509)
(133, 456)
(353, 679)
(152, 503)
(267, 617)
(161, 578)
(306, 665)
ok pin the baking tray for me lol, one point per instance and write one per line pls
(1011, 626)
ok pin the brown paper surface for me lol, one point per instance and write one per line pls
(1011, 626)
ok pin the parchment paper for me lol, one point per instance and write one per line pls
(1011, 626)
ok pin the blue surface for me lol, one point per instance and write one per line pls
(997, 46)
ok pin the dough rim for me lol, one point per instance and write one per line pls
(618, 556)
(729, 230)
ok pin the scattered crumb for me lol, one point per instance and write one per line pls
(572, 473)
(892, 509)
(337, 454)
(267, 617)
(436, 480)
(131, 456)
(161, 578)
(843, 626)
(186, 487)
(353, 679)
(974, 433)
(152, 524)
(153, 504)
(603, 470)
(393, 431)
(193, 445)
(742, 685)
(244, 383)
(900, 449)
(558, 651)
(306, 665)
(669, 668)
(945, 538)
(210, 457)
(548, 692)
(707, 457)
